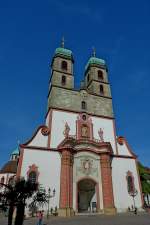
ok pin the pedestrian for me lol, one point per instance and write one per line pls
(40, 218)
(135, 211)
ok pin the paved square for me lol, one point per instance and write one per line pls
(120, 219)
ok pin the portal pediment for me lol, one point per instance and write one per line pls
(85, 145)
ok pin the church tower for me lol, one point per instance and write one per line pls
(62, 77)
(96, 77)
(62, 68)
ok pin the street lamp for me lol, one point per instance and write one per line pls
(133, 193)
(49, 196)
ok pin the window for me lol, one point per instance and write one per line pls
(64, 65)
(2, 180)
(84, 117)
(101, 89)
(88, 77)
(100, 75)
(32, 177)
(83, 105)
(130, 182)
(63, 80)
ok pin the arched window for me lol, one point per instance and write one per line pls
(63, 80)
(130, 182)
(32, 177)
(83, 105)
(101, 89)
(100, 75)
(64, 65)
(2, 180)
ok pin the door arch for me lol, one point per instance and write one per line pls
(87, 195)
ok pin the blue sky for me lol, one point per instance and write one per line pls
(29, 33)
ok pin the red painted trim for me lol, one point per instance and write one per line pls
(31, 139)
(32, 147)
(129, 148)
(50, 128)
(122, 140)
(77, 112)
(20, 162)
(123, 156)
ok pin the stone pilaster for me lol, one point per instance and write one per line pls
(108, 198)
(66, 184)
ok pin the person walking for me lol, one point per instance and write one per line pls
(40, 218)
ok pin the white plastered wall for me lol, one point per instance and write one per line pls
(58, 125)
(108, 130)
(39, 140)
(123, 150)
(49, 165)
(122, 199)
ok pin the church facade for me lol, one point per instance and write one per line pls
(76, 152)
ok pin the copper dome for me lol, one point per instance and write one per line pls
(9, 167)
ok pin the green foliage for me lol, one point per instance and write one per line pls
(145, 178)
(16, 194)
(38, 199)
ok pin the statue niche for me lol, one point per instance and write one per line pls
(84, 131)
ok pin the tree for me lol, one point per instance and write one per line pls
(16, 195)
(7, 199)
(145, 180)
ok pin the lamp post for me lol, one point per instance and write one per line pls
(133, 193)
(49, 196)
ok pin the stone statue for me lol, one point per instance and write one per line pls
(100, 133)
(84, 131)
(67, 130)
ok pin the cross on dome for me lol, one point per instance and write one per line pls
(63, 42)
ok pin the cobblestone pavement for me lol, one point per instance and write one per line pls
(120, 219)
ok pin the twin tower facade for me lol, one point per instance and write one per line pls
(76, 152)
(94, 96)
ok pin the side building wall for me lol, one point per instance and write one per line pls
(48, 165)
(122, 199)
